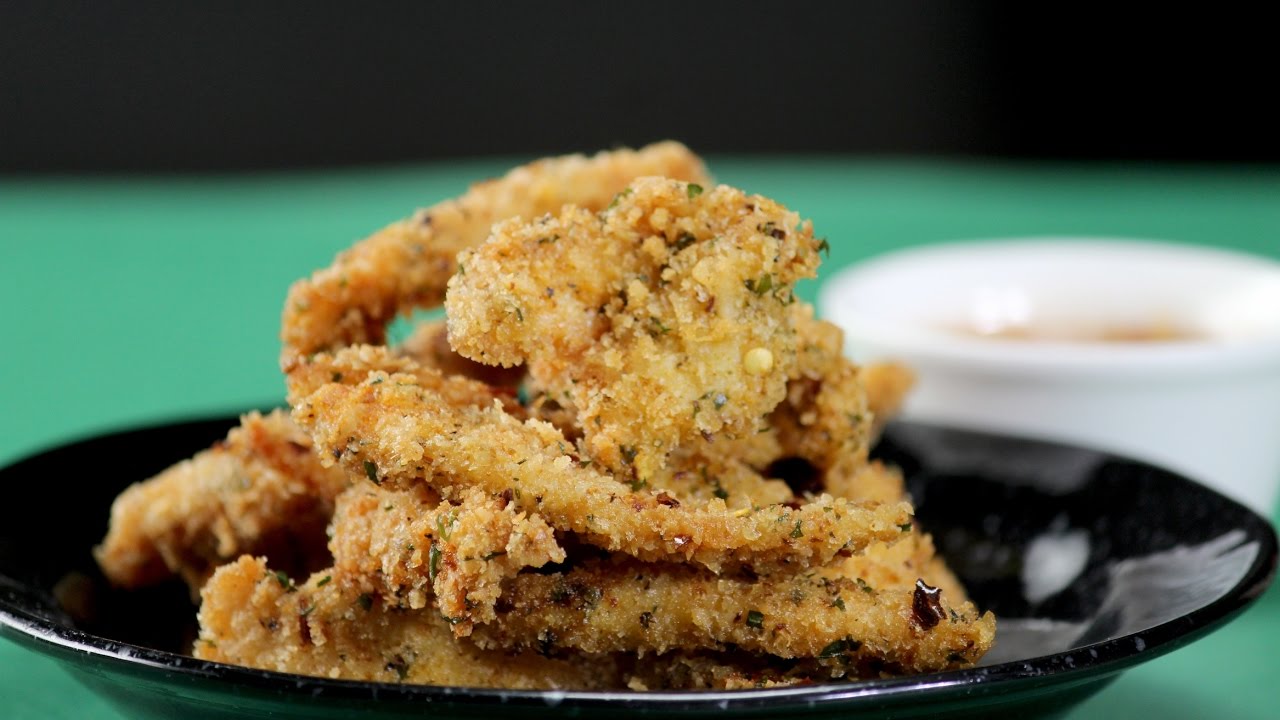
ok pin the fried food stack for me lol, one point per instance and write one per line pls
(630, 457)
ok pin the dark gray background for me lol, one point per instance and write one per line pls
(231, 85)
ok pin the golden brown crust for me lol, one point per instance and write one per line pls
(428, 344)
(406, 265)
(329, 628)
(413, 549)
(824, 418)
(632, 607)
(261, 490)
(404, 430)
(663, 318)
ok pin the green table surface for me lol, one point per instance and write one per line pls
(131, 300)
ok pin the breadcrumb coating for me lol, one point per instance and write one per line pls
(413, 549)
(327, 627)
(428, 344)
(406, 264)
(261, 490)
(625, 606)
(413, 427)
(664, 317)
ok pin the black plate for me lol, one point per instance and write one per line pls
(1093, 564)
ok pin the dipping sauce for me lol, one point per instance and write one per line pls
(1120, 333)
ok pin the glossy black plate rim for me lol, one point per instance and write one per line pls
(1086, 663)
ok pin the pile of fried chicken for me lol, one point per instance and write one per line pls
(630, 457)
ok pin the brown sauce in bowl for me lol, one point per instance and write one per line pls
(1117, 333)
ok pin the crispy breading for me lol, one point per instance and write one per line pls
(601, 607)
(329, 628)
(816, 439)
(898, 565)
(413, 549)
(353, 365)
(824, 418)
(663, 318)
(429, 345)
(261, 490)
(406, 265)
(418, 426)
(699, 477)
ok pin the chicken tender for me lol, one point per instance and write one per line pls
(413, 427)
(259, 618)
(411, 548)
(605, 606)
(261, 490)
(664, 317)
(406, 265)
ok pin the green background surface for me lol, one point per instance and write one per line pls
(135, 300)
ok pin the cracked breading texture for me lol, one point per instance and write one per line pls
(624, 606)
(329, 628)
(261, 490)
(417, 426)
(414, 549)
(406, 264)
(664, 317)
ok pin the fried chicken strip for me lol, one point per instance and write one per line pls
(261, 490)
(698, 477)
(633, 607)
(878, 589)
(326, 627)
(663, 318)
(411, 548)
(407, 264)
(824, 418)
(417, 426)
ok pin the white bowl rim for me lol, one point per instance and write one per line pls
(1119, 361)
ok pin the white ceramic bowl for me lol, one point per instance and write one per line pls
(1009, 335)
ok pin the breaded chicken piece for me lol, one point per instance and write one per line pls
(417, 426)
(429, 345)
(699, 477)
(898, 566)
(413, 549)
(256, 617)
(406, 265)
(261, 490)
(814, 441)
(663, 318)
(883, 565)
(625, 606)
